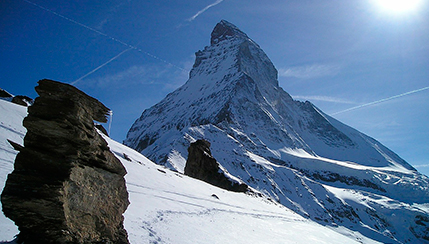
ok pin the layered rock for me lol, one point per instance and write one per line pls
(66, 187)
(201, 165)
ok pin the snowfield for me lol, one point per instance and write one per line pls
(288, 150)
(169, 207)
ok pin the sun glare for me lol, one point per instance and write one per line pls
(399, 6)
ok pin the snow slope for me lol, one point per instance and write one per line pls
(233, 85)
(288, 150)
(11, 116)
(169, 207)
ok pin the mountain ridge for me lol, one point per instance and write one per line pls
(289, 150)
(242, 72)
(168, 207)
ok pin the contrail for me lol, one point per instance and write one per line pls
(204, 9)
(104, 34)
(101, 66)
(382, 100)
(421, 166)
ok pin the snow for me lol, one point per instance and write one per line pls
(321, 180)
(290, 151)
(169, 207)
(11, 117)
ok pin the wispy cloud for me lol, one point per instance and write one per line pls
(99, 67)
(204, 9)
(310, 71)
(163, 75)
(382, 100)
(104, 34)
(324, 99)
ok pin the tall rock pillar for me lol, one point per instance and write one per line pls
(66, 187)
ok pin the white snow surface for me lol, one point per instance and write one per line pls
(288, 150)
(11, 116)
(169, 207)
(339, 182)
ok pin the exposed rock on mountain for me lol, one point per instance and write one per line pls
(201, 165)
(66, 187)
(288, 150)
(19, 99)
(168, 207)
(5, 94)
(22, 100)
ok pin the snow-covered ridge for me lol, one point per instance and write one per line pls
(169, 207)
(289, 150)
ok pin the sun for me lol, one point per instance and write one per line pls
(399, 6)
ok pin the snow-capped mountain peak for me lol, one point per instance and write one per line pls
(224, 30)
(289, 150)
(168, 207)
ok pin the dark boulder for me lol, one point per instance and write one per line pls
(66, 187)
(203, 166)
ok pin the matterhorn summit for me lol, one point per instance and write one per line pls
(233, 89)
(288, 150)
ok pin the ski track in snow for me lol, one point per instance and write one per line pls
(169, 207)
(288, 150)
(191, 201)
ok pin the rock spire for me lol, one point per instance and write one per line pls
(66, 187)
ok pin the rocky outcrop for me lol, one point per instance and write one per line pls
(22, 100)
(203, 166)
(19, 99)
(5, 94)
(66, 187)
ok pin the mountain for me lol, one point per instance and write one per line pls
(169, 207)
(289, 150)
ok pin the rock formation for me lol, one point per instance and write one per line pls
(201, 165)
(66, 187)
(5, 94)
(22, 100)
(19, 99)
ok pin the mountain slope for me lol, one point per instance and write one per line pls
(289, 150)
(169, 207)
(234, 84)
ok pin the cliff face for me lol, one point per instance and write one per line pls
(66, 187)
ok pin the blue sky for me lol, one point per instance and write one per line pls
(130, 54)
